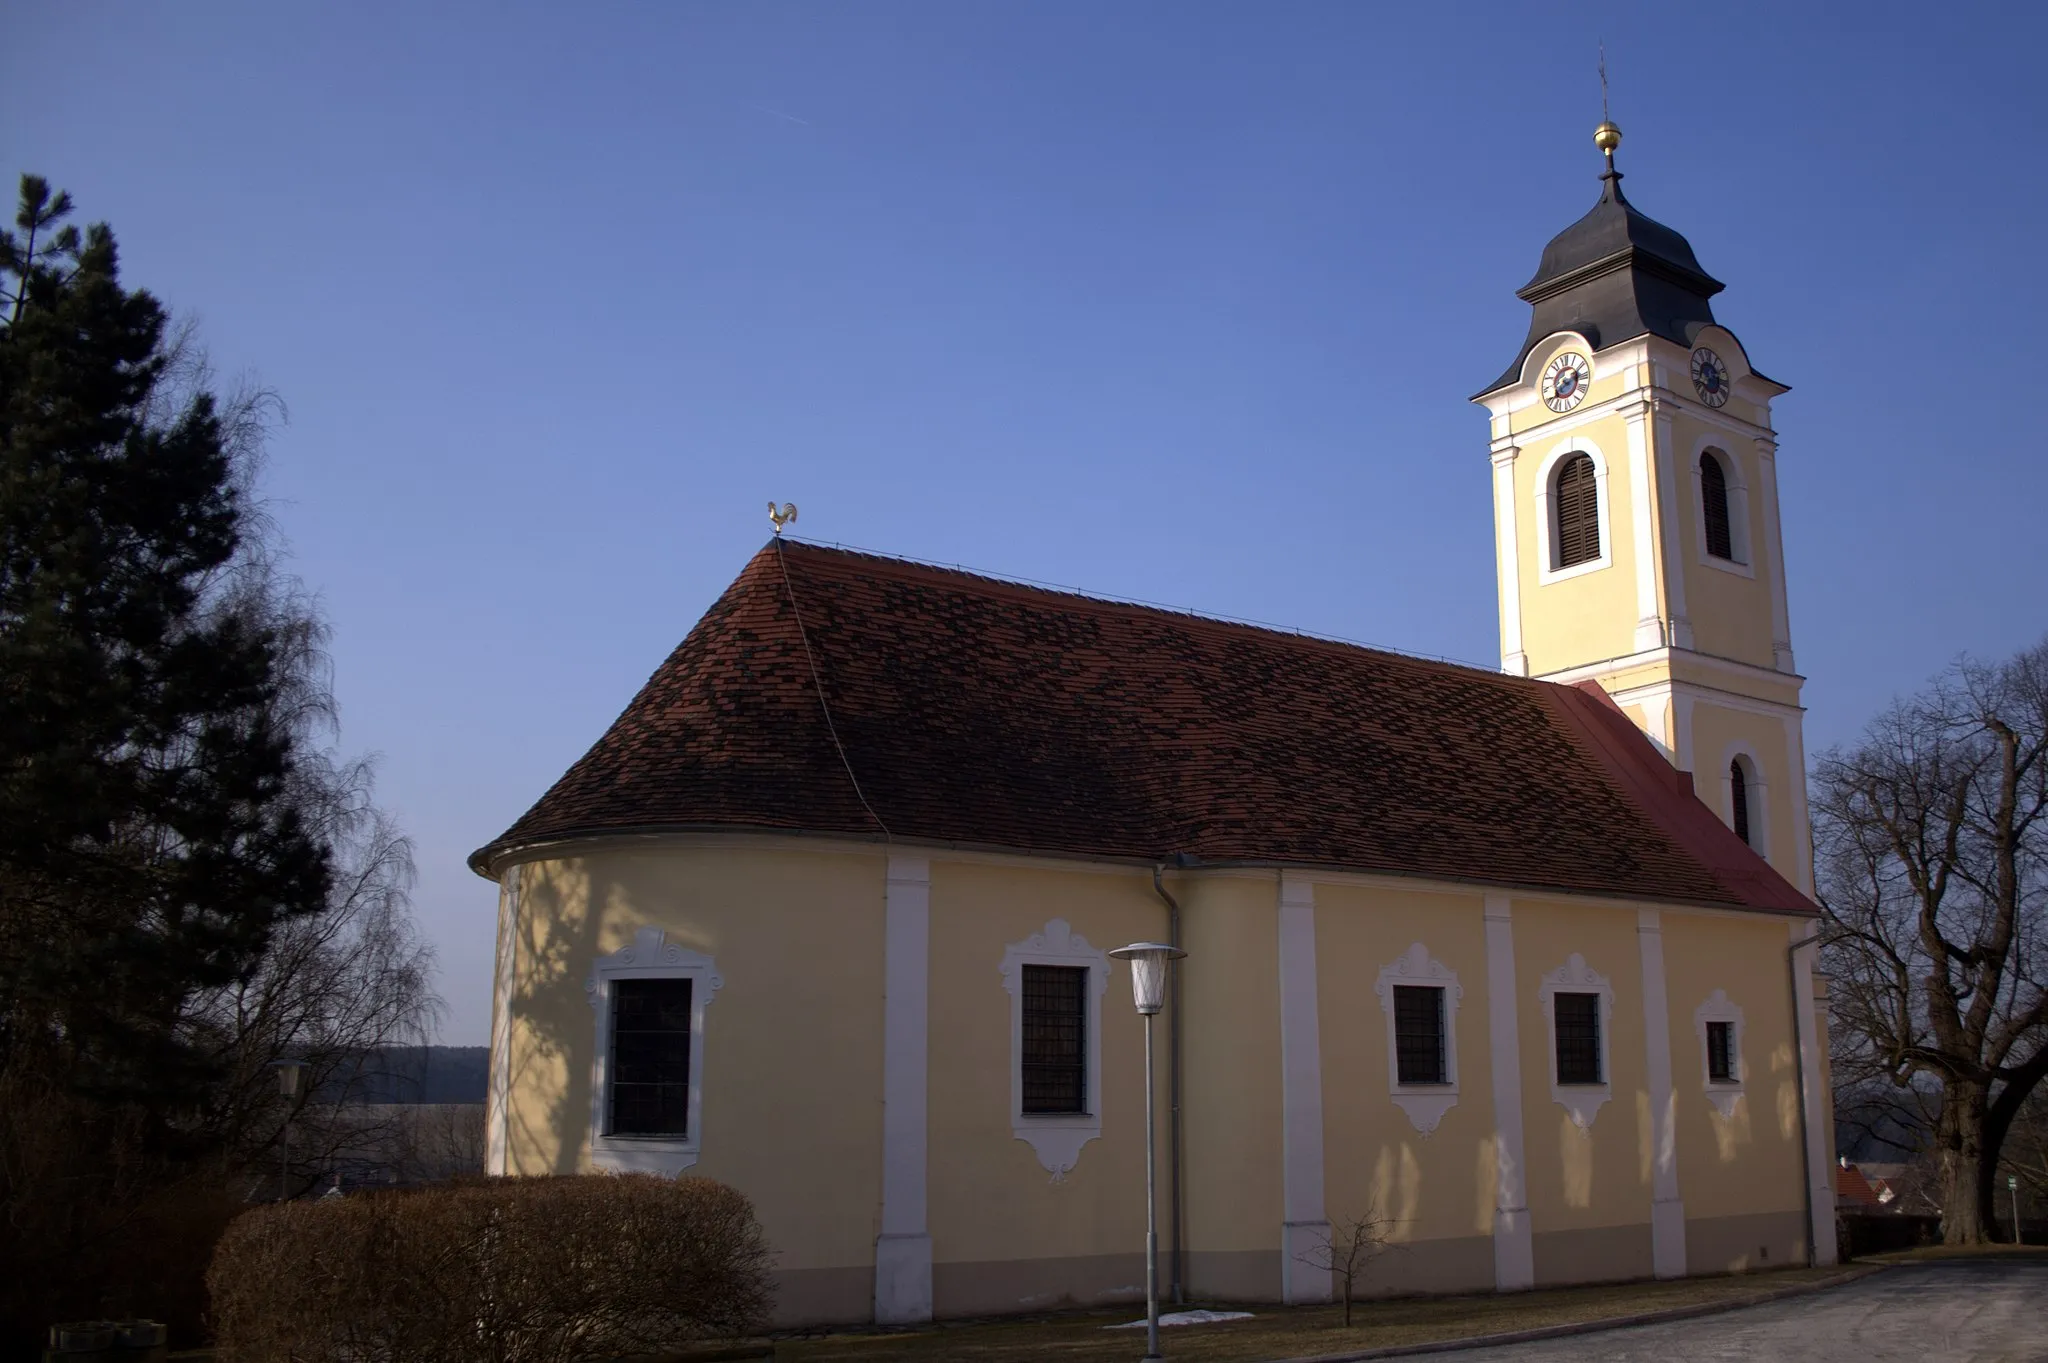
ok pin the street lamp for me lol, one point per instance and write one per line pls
(1148, 989)
(288, 1086)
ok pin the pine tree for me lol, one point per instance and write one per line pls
(150, 840)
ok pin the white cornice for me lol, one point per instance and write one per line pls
(563, 849)
(1669, 657)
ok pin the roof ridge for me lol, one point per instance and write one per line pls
(1062, 591)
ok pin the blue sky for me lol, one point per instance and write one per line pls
(1173, 301)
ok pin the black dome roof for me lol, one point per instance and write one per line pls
(1613, 275)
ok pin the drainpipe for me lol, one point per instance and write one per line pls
(1799, 1070)
(1173, 1048)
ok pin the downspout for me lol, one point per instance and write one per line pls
(1173, 1049)
(1799, 1070)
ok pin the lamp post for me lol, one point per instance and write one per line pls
(288, 1086)
(1148, 989)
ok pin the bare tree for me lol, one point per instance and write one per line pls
(1348, 1248)
(1932, 861)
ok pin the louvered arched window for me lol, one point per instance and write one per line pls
(1738, 799)
(1714, 503)
(1578, 512)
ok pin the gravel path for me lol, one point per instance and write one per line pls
(1979, 1312)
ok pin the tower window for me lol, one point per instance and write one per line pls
(1578, 512)
(1714, 503)
(1738, 800)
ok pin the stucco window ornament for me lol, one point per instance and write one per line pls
(1057, 1138)
(1582, 1101)
(1719, 1012)
(650, 956)
(1424, 1102)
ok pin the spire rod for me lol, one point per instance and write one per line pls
(1607, 136)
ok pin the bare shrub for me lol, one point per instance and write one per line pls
(1347, 1248)
(534, 1270)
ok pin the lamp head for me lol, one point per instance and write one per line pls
(1148, 972)
(288, 1076)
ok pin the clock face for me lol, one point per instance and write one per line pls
(1564, 381)
(1709, 377)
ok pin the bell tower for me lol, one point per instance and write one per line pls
(1635, 496)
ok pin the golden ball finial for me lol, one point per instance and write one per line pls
(1607, 137)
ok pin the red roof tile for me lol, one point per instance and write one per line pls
(985, 713)
(1852, 1189)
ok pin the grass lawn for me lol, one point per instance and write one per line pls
(1284, 1332)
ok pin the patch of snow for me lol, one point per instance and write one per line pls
(1186, 1318)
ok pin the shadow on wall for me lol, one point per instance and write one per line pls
(557, 947)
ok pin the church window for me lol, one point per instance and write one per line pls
(1420, 995)
(646, 1083)
(1721, 1052)
(650, 1061)
(1578, 512)
(1578, 1038)
(1055, 979)
(1419, 1034)
(1714, 505)
(1055, 1057)
(1738, 799)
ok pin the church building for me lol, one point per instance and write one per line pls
(1517, 961)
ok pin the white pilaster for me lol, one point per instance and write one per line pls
(1681, 723)
(1667, 1213)
(1798, 862)
(903, 1250)
(1508, 559)
(1669, 535)
(1774, 548)
(1820, 1180)
(1514, 1257)
(1305, 1228)
(498, 1106)
(1649, 624)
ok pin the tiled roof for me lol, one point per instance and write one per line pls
(1852, 1189)
(975, 712)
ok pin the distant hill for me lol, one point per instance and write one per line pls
(422, 1074)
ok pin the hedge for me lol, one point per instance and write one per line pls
(529, 1270)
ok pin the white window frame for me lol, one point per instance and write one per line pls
(1547, 570)
(1719, 1008)
(1755, 788)
(650, 956)
(1582, 1101)
(1056, 1138)
(1425, 1104)
(1743, 564)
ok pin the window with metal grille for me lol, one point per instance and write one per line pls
(1578, 1038)
(649, 1071)
(1714, 499)
(1738, 799)
(1578, 512)
(1419, 1035)
(1721, 1052)
(1055, 1039)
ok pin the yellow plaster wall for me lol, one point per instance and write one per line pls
(1730, 613)
(1232, 1102)
(989, 1197)
(1435, 1187)
(1714, 728)
(1579, 1180)
(1749, 1163)
(1590, 616)
(792, 1076)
